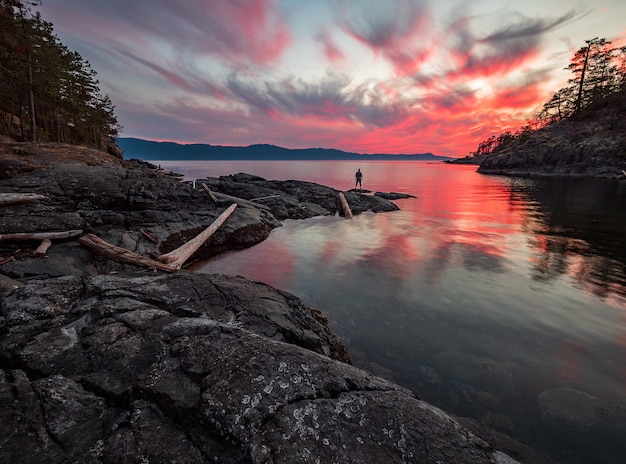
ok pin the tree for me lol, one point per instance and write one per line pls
(45, 83)
(594, 72)
(599, 73)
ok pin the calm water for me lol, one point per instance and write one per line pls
(497, 298)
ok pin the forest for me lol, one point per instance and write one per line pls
(48, 92)
(598, 79)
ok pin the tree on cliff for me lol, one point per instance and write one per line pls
(599, 72)
(48, 92)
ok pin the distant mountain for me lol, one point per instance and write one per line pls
(162, 151)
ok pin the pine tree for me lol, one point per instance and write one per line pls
(45, 83)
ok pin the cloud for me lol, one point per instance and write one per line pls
(416, 76)
(238, 32)
(399, 34)
(331, 98)
(332, 52)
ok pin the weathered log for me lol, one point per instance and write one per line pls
(39, 235)
(209, 193)
(347, 212)
(13, 198)
(241, 201)
(177, 257)
(121, 255)
(45, 244)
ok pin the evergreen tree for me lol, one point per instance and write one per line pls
(46, 84)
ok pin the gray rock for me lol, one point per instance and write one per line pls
(197, 368)
(574, 147)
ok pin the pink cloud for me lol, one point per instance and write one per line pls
(331, 51)
(240, 32)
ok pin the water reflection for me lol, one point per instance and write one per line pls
(497, 298)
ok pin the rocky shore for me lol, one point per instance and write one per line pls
(592, 144)
(102, 362)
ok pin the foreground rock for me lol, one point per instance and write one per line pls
(195, 368)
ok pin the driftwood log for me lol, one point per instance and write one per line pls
(274, 195)
(240, 201)
(13, 198)
(170, 262)
(45, 244)
(209, 193)
(121, 255)
(181, 254)
(346, 207)
(21, 236)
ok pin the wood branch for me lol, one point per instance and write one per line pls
(209, 193)
(241, 201)
(274, 195)
(13, 198)
(347, 212)
(177, 257)
(121, 255)
(39, 235)
(149, 235)
(45, 244)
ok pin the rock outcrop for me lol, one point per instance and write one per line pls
(120, 200)
(195, 368)
(592, 144)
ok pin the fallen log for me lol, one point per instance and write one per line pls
(209, 193)
(21, 236)
(45, 244)
(121, 255)
(13, 198)
(241, 201)
(177, 257)
(347, 212)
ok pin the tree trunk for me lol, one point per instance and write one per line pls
(582, 80)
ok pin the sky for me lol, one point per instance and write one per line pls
(365, 76)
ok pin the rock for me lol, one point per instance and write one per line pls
(115, 199)
(568, 406)
(393, 195)
(591, 146)
(296, 199)
(195, 368)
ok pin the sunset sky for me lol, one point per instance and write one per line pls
(368, 76)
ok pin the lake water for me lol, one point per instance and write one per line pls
(502, 299)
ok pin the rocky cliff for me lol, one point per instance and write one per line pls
(590, 144)
(105, 363)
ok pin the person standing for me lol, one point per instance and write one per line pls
(359, 176)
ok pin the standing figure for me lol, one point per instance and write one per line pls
(359, 176)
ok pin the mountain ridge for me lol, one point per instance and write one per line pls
(149, 150)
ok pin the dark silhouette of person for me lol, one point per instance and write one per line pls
(359, 176)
